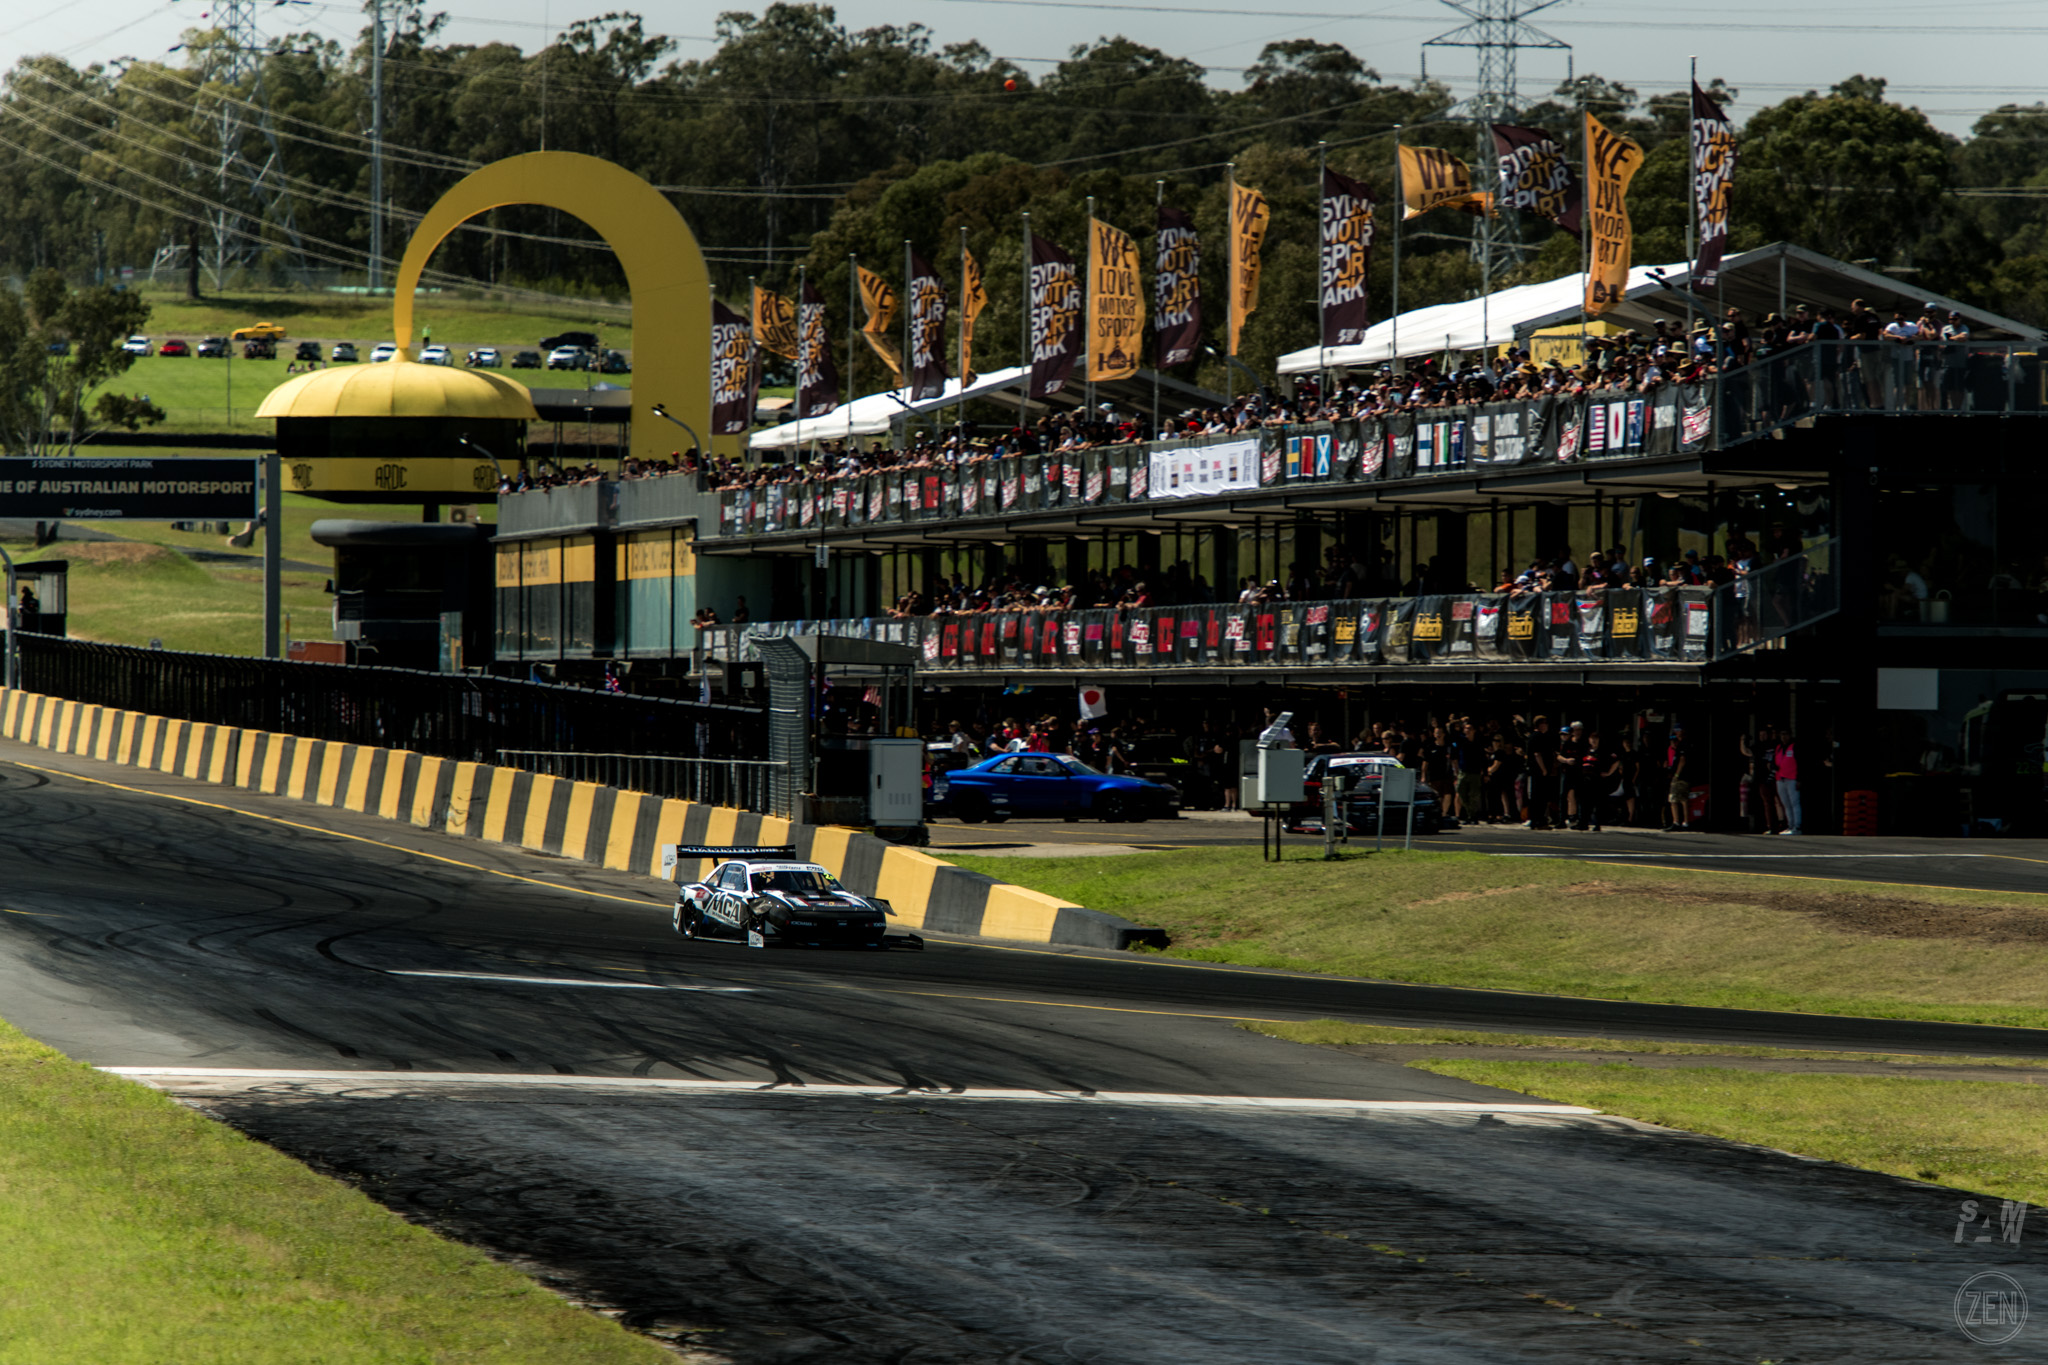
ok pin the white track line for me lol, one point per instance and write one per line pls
(1730, 857)
(169, 1075)
(566, 981)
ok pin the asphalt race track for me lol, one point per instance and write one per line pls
(967, 1154)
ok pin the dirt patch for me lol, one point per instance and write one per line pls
(124, 553)
(1455, 896)
(1877, 916)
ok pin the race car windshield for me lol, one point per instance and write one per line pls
(791, 880)
(1080, 769)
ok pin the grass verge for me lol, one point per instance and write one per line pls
(132, 1229)
(1566, 928)
(1986, 1137)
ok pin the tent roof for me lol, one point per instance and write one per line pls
(873, 414)
(1465, 325)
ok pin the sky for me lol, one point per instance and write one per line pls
(1955, 61)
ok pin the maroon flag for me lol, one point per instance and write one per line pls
(1055, 317)
(1713, 172)
(1536, 176)
(1176, 290)
(1346, 258)
(817, 376)
(732, 372)
(927, 298)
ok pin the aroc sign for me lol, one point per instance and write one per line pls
(141, 489)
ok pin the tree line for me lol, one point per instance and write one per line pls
(799, 142)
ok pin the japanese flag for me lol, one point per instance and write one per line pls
(1093, 703)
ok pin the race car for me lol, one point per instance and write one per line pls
(767, 898)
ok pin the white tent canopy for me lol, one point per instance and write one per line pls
(875, 413)
(1465, 325)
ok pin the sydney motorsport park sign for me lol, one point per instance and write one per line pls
(142, 489)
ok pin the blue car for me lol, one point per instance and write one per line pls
(1060, 785)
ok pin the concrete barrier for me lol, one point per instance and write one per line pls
(622, 830)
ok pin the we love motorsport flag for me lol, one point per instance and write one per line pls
(1611, 162)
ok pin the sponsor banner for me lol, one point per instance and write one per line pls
(1249, 217)
(817, 384)
(775, 323)
(927, 331)
(1536, 176)
(1611, 162)
(1695, 416)
(1431, 178)
(1116, 303)
(1346, 258)
(1571, 427)
(732, 372)
(1176, 290)
(1400, 446)
(1372, 448)
(1198, 471)
(168, 489)
(403, 479)
(1055, 317)
(1713, 175)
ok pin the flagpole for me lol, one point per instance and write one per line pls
(960, 410)
(1024, 381)
(1400, 208)
(1322, 269)
(754, 331)
(909, 303)
(1695, 231)
(1158, 203)
(802, 283)
(1087, 332)
(852, 337)
(1586, 222)
(1229, 281)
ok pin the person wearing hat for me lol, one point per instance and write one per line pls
(1955, 361)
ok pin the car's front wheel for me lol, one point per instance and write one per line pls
(686, 920)
(1112, 808)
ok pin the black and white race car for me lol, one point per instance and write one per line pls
(764, 896)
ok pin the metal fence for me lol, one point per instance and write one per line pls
(447, 715)
(1760, 608)
(749, 784)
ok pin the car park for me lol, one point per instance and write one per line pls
(308, 350)
(1359, 804)
(526, 360)
(384, 350)
(484, 358)
(344, 351)
(765, 898)
(260, 331)
(568, 358)
(614, 362)
(136, 345)
(213, 348)
(174, 347)
(436, 354)
(1057, 785)
(260, 348)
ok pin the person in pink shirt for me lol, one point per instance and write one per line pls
(1785, 768)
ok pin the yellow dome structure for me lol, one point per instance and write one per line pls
(400, 388)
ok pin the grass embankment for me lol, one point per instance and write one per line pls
(1565, 928)
(134, 1230)
(147, 587)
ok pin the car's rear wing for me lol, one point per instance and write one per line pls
(671, 854)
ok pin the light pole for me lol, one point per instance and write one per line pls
(500, 469)
(695, 439)
(10, 672)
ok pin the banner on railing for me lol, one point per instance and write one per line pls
(1199, 471)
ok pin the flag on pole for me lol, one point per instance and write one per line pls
(817, 376)
(973, 298)
(1176, 290)
(1611, 162)
(775, 320)
(1536, 176)
(1055, 317)
(1431, 178)
(927, 331)
(878, 297)
(1094, 703)
(1249, 216)
(1713, 173)
(732, 372)
(1346, 258)
(1116, 307)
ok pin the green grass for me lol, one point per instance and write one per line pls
(133, 1230)
(458, 323)
(1567, 928)
(1986, 1137)
(1339, 1033)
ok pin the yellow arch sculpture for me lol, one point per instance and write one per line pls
(664, 270)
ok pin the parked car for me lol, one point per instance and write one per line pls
(174, 347)
(136, 345)
(568, 358)
(484, 358)
(436, 354)
(1360, 805)
(260, 348)
(614, 362)
(308, 350)
(260, 331)
(213, 347)
(383, 351)
(1053, 784)
(526, 360)
(344, 351)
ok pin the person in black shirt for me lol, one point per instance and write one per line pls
(1571, 763)
(1540, 754)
